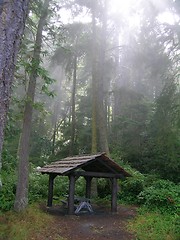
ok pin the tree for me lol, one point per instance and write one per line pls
(98, 79)
(163, 144)
(12, 20)
(21, 200)
(101, 113)
(70, 56)
(94, 76)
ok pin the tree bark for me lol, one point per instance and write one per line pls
(102, 122)
(73, 105)
(12, 20)
(94, 93)
(57, 107)
(94, 85)
(21, 199)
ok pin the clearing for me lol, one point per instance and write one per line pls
(101, 225)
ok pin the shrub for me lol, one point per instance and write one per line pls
(103, 187)
(163, 195)
(38, 186)
(80, 187)
(7, 193)
(131, 188)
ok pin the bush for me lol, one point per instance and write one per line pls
(103, 187)
(80, 187)
(38, 187)
(163, 195)
(131, 189)
(7, 193)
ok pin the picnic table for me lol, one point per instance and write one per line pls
(81, 203)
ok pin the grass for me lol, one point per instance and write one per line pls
(155, 226)
(34, 224)
(31, 224)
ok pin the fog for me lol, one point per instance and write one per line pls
(107, 57)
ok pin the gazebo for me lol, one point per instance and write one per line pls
(88, 166)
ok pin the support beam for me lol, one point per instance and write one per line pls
(114, 196)
(50, 189)
(98, 174)
(88, 187)
(71, 194)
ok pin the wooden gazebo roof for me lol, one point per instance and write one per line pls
(91, 164)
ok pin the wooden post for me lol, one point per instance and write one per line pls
(50, 189)
(88, 187)
(114, 196)
(71, 194)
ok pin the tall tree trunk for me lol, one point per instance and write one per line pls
(94, 85)
(57, 107)
(12, 20)
(55, 119)
(94, 93)
(102, 126)
(73, 105)
(21, 199)
(116, 72)
(54, 123)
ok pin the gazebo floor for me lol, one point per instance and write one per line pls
(100, 225)
(61, 210)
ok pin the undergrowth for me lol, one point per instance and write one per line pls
(158, 200)
(29, 224)
(155, 226)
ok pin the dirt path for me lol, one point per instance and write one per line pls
(101, 225)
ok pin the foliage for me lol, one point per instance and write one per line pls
(162, 195)
(131, 188)
(116, 156)
(80, 187)
(162, 148)
(12, 132)
(103, 188)
(40, 146)
(105, 201)
(61, 185)
(129, 126)
(38, 187)
(140, 95)
(7, 192)
(150, 191)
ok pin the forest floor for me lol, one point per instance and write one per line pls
(100, 225)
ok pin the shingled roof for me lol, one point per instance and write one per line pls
(91, 163)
